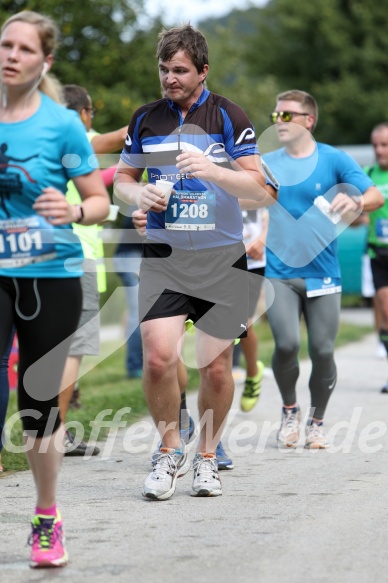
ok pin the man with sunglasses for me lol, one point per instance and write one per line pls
(302, 261)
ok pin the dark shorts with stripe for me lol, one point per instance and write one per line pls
(209, 285)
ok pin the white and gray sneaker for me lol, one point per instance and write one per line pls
(206, 479)
(289, 431)
(315, 436)
(169, 465)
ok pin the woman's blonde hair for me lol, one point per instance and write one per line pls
(49, 38)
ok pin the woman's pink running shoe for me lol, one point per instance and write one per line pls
(48, 542)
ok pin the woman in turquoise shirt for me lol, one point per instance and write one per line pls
(43, 146)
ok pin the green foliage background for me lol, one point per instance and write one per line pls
(335, 49)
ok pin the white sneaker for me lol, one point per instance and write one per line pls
(206, 479)
(316, 436)
(381, 353)
(169, 465)
(289, 431)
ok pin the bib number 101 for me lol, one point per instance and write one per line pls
(192, 211)
(23, 242)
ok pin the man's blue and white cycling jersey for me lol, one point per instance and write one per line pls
(200, 214)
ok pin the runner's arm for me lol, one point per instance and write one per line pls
(244, 180)
(129, 189)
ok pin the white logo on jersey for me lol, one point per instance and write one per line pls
(317, 186)
(128, 141)
(170, 177)
(327, 280)
(216, 148)
(247, 134)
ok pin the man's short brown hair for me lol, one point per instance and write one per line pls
(184, 38)
(305, 99)
(380, 126)
(76, 97)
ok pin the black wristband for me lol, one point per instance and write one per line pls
(81, 214)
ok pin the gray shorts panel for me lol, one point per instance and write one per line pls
(86, 340)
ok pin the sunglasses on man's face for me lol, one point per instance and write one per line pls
(284, 115)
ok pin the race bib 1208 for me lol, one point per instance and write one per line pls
(191, 211)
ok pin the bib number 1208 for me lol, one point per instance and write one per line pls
(192, 211)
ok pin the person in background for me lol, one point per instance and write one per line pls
(302, 257)
(377, 244)
(127, 265)
(4, 392)
(86, 341)
(368, 293)
(40, 290)
(255, 233)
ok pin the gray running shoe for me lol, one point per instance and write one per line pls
(206, 479)
(316, 436)
(289, 431)
(169, 465)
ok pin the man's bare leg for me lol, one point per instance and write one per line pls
(161, 339)
(216, 387)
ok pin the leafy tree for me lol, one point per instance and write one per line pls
(229, 73)
(335, 49)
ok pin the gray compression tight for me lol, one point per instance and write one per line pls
(321, 315)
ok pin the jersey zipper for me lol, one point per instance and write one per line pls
(181, 122)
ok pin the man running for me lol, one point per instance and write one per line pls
(206, 146)
(319, 186)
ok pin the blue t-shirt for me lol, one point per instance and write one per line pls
(301, 240)
(47, 149)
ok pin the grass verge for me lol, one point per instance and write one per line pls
(106, 388)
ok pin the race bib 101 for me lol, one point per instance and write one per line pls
(22, 241)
